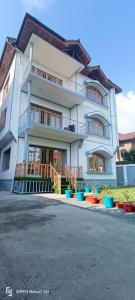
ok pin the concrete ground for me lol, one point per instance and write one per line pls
(74, 253)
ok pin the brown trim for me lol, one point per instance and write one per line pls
(96, 73)
(32, 25)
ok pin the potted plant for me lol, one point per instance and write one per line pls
(87, 187)
(68, 192)
(95, 188)
(79, 193)
(128, 207)
(108, 198)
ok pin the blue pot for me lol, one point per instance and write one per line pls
(68, 194)
(108, 201)
(96, 191)
(87, 189)
(80, 196)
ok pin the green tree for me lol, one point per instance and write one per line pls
(128, 156)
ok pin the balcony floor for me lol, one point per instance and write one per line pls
(53, 92)
(55, 134)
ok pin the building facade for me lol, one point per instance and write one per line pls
(126, 143)
(56, 109)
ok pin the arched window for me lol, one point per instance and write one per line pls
(95, 126)
(94, 94)
(97, 163)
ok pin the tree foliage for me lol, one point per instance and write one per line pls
(128, 156)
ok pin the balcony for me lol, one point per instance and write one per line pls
(60, 90)
(51, 125)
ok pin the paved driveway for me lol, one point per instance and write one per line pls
(75, 253)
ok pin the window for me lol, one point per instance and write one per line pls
(6, 88)
(2, 119)
(94, 94)
(34, 154)
(95, 126)
(6, 159)
(46, 116)
(97, 163)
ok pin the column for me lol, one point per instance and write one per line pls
(25, 146)
(29, 92)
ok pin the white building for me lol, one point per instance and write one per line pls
(55, 108)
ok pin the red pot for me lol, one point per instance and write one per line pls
(93, 200)
(101, 201)
(116, 204)
(74, 195)
(87, 198)
(120, 204)
(128, 207)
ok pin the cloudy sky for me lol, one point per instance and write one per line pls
(106, 29)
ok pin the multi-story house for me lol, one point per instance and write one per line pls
(58, 113)
(126, 143)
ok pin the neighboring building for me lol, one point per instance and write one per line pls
(56, 109)
(126, 143)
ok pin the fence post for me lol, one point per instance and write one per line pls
(125, 174)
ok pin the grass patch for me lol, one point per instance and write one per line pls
(118, 193)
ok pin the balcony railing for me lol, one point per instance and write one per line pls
(51, 120)
(70, 85)
(96, 130)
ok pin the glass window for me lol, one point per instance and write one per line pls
(34, 154)
(2, 119)
(6, 87)
(6, 160)
(94, 94)
(95, 126)
(97, 163)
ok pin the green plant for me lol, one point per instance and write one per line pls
(107, 189)
(86, 183)
(79, 186)
(126, 195)
(94, 185)
(69, 187)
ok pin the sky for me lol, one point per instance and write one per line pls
(106, 29)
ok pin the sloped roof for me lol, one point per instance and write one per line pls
(6, 58)
(96, 73)
(32, 25)
(126, 136)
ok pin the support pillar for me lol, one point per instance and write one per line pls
(29, 92)
(25, 146)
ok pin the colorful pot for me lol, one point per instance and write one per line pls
(120, 204)
(93, 200)
(74, 195)
(108, 201)
(128, 207)
(87, 198)
(101, 201)
(96, 191)
(68, 194)
(80, 196)
(87, 189)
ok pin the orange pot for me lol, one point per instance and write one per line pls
(74, 195)
(87, 198)
(93, 200)
(101, 201)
